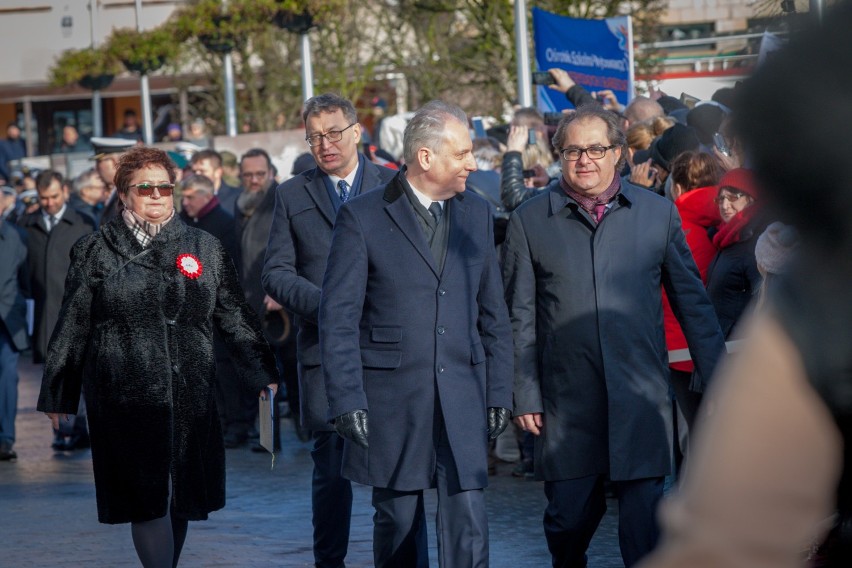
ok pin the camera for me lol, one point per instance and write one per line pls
(542, 78)
(529, 173)
(531, 137)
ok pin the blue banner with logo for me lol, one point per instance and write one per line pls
(596, 53)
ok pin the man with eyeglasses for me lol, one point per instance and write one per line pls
(583, 267)
(305, 208)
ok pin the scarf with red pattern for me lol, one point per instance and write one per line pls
(588, 203)
(731, 232)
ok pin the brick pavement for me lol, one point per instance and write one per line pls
(48, 515)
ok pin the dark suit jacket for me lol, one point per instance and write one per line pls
(295, 263)
(227, 196)
(48, 261)
(14, 283)
(400, 340)
(587, 317)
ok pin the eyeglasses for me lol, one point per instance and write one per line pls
(732, 197)
(331, 136)
(593, 152)
(146, 189)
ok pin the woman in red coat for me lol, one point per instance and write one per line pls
(694, 179)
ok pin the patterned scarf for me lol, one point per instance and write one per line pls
(588, 203)
(142, 229)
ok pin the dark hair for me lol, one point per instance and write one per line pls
(47, 177)
(207, 154)
(137, 158)
(696, 169)
(256, 153)
(129, 112)
(329, 102)
(587, 112)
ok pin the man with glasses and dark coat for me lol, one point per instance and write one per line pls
(583, 268)
(305, 209)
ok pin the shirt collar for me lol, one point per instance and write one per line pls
(58, 215)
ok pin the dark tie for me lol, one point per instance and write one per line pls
(436, 211)
(344, 190)
(51, 222)
(600, 209)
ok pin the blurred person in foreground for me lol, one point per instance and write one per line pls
(143, 296)
(773, 460)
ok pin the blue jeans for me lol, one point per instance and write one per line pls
(8, 386)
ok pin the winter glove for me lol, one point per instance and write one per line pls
(353, 426)
(498, 419)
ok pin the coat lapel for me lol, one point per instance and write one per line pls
(402, 214)
(458, 220)
(316, 189)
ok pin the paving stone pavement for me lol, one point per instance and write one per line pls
(48, 515)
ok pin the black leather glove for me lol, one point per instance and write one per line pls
(353, 426)
(498, 419)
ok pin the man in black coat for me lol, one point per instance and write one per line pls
(416, 344)
(584, 264)
(52, 231)
(305, 208)
(208, 163)
(253, 217)
(14, 285)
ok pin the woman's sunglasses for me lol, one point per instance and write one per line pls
(147, 189)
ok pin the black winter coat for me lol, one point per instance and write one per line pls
(733, 279)
(48, 262)
(138, 334)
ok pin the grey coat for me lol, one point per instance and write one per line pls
(138, 334)
(590, 351)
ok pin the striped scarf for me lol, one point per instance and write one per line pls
(142, 229)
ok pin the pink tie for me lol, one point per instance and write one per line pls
(600, 209)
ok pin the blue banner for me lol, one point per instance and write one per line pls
(596, 53)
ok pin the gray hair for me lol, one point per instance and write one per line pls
(196, 181)
(329, 102)
(586, 112)
(84, 180)
(426, 128)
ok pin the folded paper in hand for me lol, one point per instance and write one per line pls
(265, 418)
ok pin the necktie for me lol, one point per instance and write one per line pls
(436, 211)
(600, 209)
(51, 222)
(344, 190)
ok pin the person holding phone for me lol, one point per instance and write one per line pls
(142, 298)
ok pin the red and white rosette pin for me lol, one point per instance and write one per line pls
(189, 265)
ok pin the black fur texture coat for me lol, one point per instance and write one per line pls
(137, 334)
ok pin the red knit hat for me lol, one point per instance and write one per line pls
(742, 180)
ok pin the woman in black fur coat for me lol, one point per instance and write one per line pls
(142, 298)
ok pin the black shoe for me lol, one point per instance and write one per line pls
(58, 443)
(6, 451)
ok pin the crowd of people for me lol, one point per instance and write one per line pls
(559, 295)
